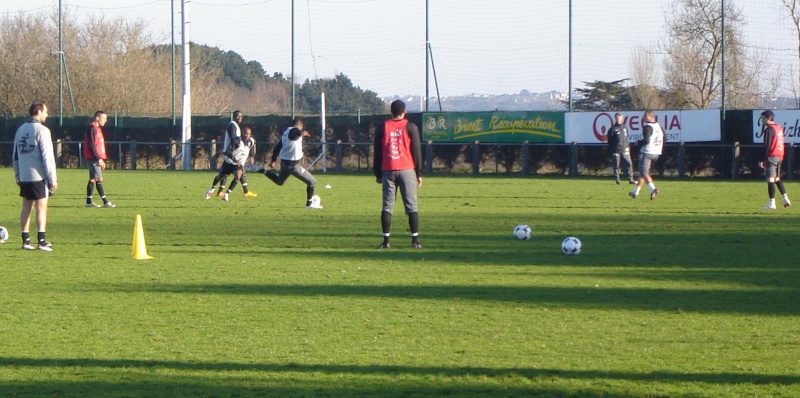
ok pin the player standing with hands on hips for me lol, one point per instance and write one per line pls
(35, 174)
(773, 157)
(94, 151)
(652, 143)
(398, 164)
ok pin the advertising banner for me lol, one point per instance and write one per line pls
(493, 127)
(789, 119)
(687, 125)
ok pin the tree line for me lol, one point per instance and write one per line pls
(113, 64)
(693, 55)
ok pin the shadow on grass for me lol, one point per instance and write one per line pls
(282, 379)
(204, 388)
(768, 302)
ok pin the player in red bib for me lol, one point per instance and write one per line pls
(94, 151)
(398, 165)
(773, 157)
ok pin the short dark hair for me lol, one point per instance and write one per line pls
(236, 114)
(768, 114)
(398, 108)
(37, 107)
(297, 120)
(99, 113)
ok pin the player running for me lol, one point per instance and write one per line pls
(290, 150)
(239, 151)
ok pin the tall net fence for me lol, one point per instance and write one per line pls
(476, 49)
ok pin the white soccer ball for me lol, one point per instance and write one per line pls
(3, 234)
(571, 246)
(522, 232)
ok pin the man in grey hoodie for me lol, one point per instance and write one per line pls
(35, 174)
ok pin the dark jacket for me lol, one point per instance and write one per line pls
(617, 139)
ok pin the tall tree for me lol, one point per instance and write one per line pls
(694, 50)
(793, 7)
(113, 65)
(603, 96)
(341, 96)
(645, 93)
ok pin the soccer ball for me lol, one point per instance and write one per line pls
(522, 232)
(571, 246)
(3, 234)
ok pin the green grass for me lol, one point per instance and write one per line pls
(694, 294)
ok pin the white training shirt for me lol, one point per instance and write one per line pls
(656, 144)
(291, 150)
(236, 131)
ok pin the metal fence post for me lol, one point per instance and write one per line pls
(337, 153)
(476, 158)
(525, 156)
(59, 153)
(681, 160)
(120, 156)
(573, 159)
(737, 154)
(212, 155)
(790, 161)
(173, 153)
(133, 154)
(429, 158)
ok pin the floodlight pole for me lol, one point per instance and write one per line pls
(292, 79)
(722, 49)
(60, 69)
(322, 136)
(172, 44)
(427, 49)
(186, 115)
(569, 94)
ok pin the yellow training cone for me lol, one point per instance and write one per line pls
(139, 251)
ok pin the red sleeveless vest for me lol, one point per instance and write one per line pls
(396, 146)
(99, 143)
(776, 146)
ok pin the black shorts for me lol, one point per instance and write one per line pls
(228, 169)
(33, 190)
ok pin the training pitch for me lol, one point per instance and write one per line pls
(695, 293)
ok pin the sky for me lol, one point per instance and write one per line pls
(476, 47)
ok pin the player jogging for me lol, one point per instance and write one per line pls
(652, 145)
(773, 157)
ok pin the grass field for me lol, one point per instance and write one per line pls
(694, 294)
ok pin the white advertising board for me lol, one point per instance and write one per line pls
(687, 125)
(789, 119)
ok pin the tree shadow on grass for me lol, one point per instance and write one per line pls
(282, 380)
(764, 301)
